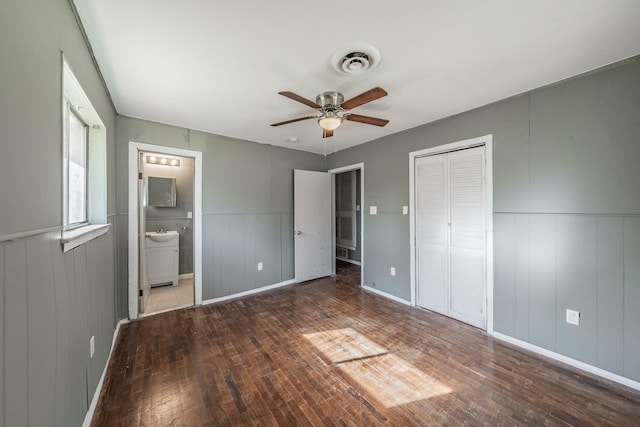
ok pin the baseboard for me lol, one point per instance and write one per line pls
(386, 295)
(569, 361)
(249, 292)
(185, 276)
(96, 394)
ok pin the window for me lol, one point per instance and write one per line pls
(84, 142)
(75, 168)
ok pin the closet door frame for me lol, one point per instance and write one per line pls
(487, 142)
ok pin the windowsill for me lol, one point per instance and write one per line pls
(73, 238)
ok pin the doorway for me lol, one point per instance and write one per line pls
(146, 170)
(348, 220)
(166, 218)
(451, 233)
(315, 244)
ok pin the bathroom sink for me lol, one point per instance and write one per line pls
(161, 237)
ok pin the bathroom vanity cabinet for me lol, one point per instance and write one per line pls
(162, 257)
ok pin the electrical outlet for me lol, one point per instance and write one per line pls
(373, 210)
(573, 317)
(393, 271)
(92, 346)
(259, 266)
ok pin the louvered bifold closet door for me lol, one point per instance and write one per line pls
(450, 234)
(467, 235)
(431, 233)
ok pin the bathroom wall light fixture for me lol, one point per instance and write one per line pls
(166, 161)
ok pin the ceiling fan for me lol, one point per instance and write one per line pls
(333, 109)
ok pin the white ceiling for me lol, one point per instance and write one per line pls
(217, 66)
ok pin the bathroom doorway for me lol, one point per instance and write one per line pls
(165, 247)
(166, 252)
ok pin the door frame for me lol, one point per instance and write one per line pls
(333, 172)
(487, 142)
(133, 262)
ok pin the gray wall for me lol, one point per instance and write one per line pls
(247, 205)
(566, 212)
(50, 303)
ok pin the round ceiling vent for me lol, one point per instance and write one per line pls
(356, 60)
(355, 63)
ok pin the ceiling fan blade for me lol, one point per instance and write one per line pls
(299, 98)
(363, 98)
(326, 133)
(292, 120)
(366, 119)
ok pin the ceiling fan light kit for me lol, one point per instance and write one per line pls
(330, 107)
(330, 121)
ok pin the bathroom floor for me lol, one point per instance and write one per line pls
(164, 298)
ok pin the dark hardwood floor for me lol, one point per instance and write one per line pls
(327, 353)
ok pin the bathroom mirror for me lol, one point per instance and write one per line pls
(161, 192)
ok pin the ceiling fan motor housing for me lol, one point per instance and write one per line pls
(329, 99)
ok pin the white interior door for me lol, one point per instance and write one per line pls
(144, 289)
(451, 234)
(312, 225)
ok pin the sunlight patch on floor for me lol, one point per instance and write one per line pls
(342, 345)
(392, 381)
(388, 378)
